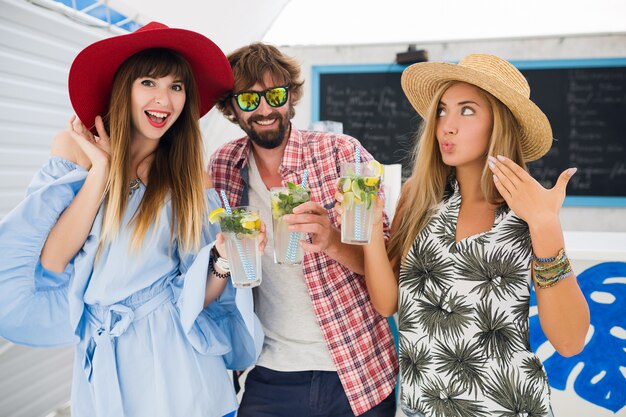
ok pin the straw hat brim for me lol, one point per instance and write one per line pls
(421, 81)
(92, 72)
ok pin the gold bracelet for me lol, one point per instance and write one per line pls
(550, 271)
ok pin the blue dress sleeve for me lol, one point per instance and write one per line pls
(34, 308)
(227, 326)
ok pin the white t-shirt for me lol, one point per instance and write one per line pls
(293, 338)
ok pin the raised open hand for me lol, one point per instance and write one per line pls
(96, 148)
(523, 194)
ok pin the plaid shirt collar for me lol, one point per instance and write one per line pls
(241, 155)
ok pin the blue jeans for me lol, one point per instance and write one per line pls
(271, 393)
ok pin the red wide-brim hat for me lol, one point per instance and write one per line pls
(92, 72)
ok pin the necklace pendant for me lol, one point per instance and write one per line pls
(134, 184)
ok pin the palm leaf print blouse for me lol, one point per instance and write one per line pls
(463, 320)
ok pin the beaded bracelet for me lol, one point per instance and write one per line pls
(550, 271)
(212, 264)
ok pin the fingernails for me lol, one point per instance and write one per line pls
(501, 158)
(491, 161)
(572, 171)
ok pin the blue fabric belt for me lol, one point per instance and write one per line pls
(100, 363)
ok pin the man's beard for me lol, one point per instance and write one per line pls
(270, 139)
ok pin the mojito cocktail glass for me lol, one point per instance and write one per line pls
(241, 230)
(287, 249)
(359, 185)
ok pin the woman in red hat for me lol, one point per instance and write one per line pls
(111, 249)
(472, 232)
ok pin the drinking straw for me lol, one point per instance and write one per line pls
(247, 266)
(226, 205)
(292, 248)
(357, 207)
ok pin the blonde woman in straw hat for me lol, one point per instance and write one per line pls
(472, 232)
(111, 249)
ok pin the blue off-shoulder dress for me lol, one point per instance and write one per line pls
(145, 346)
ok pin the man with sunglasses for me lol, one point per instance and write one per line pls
(326, 350)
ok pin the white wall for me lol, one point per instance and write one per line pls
(37, 47)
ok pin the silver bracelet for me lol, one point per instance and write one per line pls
(221, 263)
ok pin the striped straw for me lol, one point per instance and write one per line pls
(294, 237)
(226, 205)
(247, 266)
(305, 179)
(357, 207)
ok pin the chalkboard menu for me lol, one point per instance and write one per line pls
(585, 101)
(373, 109)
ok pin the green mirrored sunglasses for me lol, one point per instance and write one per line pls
(250, 100)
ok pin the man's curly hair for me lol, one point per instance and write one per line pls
(251, 63)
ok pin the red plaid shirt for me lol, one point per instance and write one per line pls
(359, 339)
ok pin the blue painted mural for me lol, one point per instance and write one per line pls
(602, 380)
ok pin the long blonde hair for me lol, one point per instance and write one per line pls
(425, 188)
(177, 169)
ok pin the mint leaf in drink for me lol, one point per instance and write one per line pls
(241, 222)
(363, 189)
(283, 202)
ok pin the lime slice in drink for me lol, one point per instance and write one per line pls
(250, 222)
(376, 168)
(357, 189)
(346, 185)
(248, 225)
(348, 200)
(275, 208)
(216, 214)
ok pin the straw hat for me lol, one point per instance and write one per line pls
(420, 82)
(92, 72)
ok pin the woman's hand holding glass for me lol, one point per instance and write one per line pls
(378, 214)
(221, 246)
